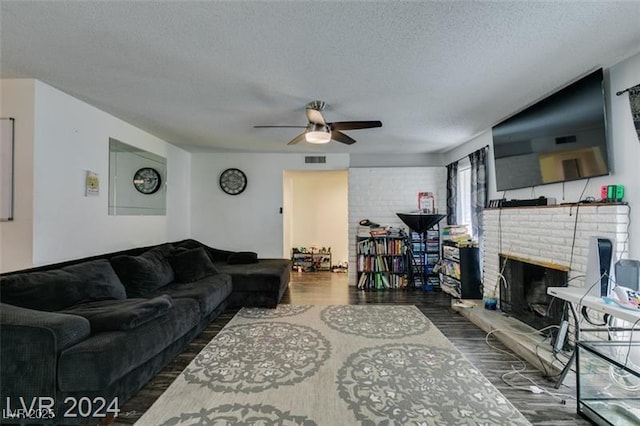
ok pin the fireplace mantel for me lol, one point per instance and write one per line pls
(548, 265)
(557, 206)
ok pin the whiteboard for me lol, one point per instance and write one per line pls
(7, 127)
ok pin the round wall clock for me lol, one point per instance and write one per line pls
(147, 180)
(233, 181)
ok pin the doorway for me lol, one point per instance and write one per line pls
(315, 213)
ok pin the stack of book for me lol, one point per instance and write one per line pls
(381, 281)
(367, 231)
(457, 233)
(378, 232)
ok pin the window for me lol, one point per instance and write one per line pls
(464, 194)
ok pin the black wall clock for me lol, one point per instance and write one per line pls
(233, 181)
(147, 180)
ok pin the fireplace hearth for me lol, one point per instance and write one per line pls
(523, 291)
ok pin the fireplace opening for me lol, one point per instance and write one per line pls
(523, 292)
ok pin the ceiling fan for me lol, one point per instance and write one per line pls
(319, 131)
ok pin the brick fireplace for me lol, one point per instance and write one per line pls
(541, 236)
(544, 235)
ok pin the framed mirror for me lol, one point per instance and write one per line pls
(137, 181)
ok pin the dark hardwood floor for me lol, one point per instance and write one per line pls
(326, 288)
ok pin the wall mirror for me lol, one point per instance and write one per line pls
(137, 181)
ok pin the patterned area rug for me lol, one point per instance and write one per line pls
(331, 365)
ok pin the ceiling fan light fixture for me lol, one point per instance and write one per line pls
(318, 134)
(318, 137)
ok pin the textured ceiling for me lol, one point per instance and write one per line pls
(201, 74)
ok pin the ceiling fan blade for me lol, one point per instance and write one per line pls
(341, 137)
(354, 125)
(278, 127)
(314, 116)
(297, 139)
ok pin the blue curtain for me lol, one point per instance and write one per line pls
(452, 193)
(478, 190)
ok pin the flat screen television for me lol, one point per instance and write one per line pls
(560, 138)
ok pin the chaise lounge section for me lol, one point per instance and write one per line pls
(256, 282)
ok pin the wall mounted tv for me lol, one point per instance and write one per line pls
(558, 139)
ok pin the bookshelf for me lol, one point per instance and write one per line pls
(425, 255)
(424, 248)
(381, 262)
(460, 270)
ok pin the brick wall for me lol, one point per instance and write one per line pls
(379, 193)
(546, 234)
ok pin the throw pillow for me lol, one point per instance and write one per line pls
(57, 289)
(187, 244)
(144, 273)
(242, 257)
(191, 265)
(121, 314)
(216, 255)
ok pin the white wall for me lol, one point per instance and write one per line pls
(178, 219)
(17, 99)
(70, 137)
(624, 152)
(320, 211)
(626, 145)
(379, 193)
(396, 159)
(251, 220)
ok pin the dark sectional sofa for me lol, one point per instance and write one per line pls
(101, 327)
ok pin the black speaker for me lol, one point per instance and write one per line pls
(599, 267)
(628, 273)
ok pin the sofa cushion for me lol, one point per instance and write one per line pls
(121, 314)
(216, 255)
(191, 265)
(209, 292)
(242, 257)
(112, 354)
(58, 289)
(66, 330)
(144, 273)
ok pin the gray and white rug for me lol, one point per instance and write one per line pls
(331, 365)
